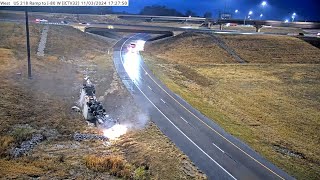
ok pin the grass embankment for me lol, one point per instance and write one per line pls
(273, 49)
(186, 49)
(271, 104)
(275, 30)
(43, 105)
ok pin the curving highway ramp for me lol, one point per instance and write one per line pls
(218, 154)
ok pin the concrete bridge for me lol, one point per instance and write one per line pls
(258, 24)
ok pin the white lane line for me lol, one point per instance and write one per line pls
(162, 100)
(174, 124)
(218, 147)
(184, 120)
(186, 135)
(150, 88)
(214, 129)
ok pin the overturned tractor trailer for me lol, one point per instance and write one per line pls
(92, 109)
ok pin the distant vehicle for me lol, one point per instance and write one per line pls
(132, 48)
(41, 21)
(140, 45)
(84, 23)
(136, 46)
(64, 22)
(231, 24)
(133, 45)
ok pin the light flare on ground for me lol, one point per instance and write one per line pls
(132, 65)
(115, 131)
(140, 45)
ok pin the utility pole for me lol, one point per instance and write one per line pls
(28, 43)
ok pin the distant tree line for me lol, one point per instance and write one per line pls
(65, 9)
(157, 10)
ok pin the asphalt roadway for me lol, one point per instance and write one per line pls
(218, 154)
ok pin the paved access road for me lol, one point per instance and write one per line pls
(218, 154)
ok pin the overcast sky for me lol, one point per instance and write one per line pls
(276, 9)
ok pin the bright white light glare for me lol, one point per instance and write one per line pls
(294, 14)
(264, 3)
(261, 15)
(236, 11)
(222, 32)
(286, 21)
(250, 12)
(140, 45)
(115, 131)
(132, 65)
(247, 33)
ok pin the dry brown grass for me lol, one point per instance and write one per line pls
(189, 48)
(114, 164)
(281, 30)
(266, 105)
(12, 36)
(44, 104)
(150, 149)
(272, 49)
(275, 30)
(5, 144)
(13, 170)
(76, 44)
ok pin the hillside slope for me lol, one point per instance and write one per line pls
(271, 102)
(42, 105)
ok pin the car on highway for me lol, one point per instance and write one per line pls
(132, 48)
(84, 23)
(64, 22)
(41, 21)
(136, 46)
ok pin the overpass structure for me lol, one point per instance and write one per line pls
(258, 24)
(110, 30)
(164, 18)
(166, 31)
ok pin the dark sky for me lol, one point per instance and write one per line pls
(276, 9)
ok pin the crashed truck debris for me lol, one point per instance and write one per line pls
(92, 109)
